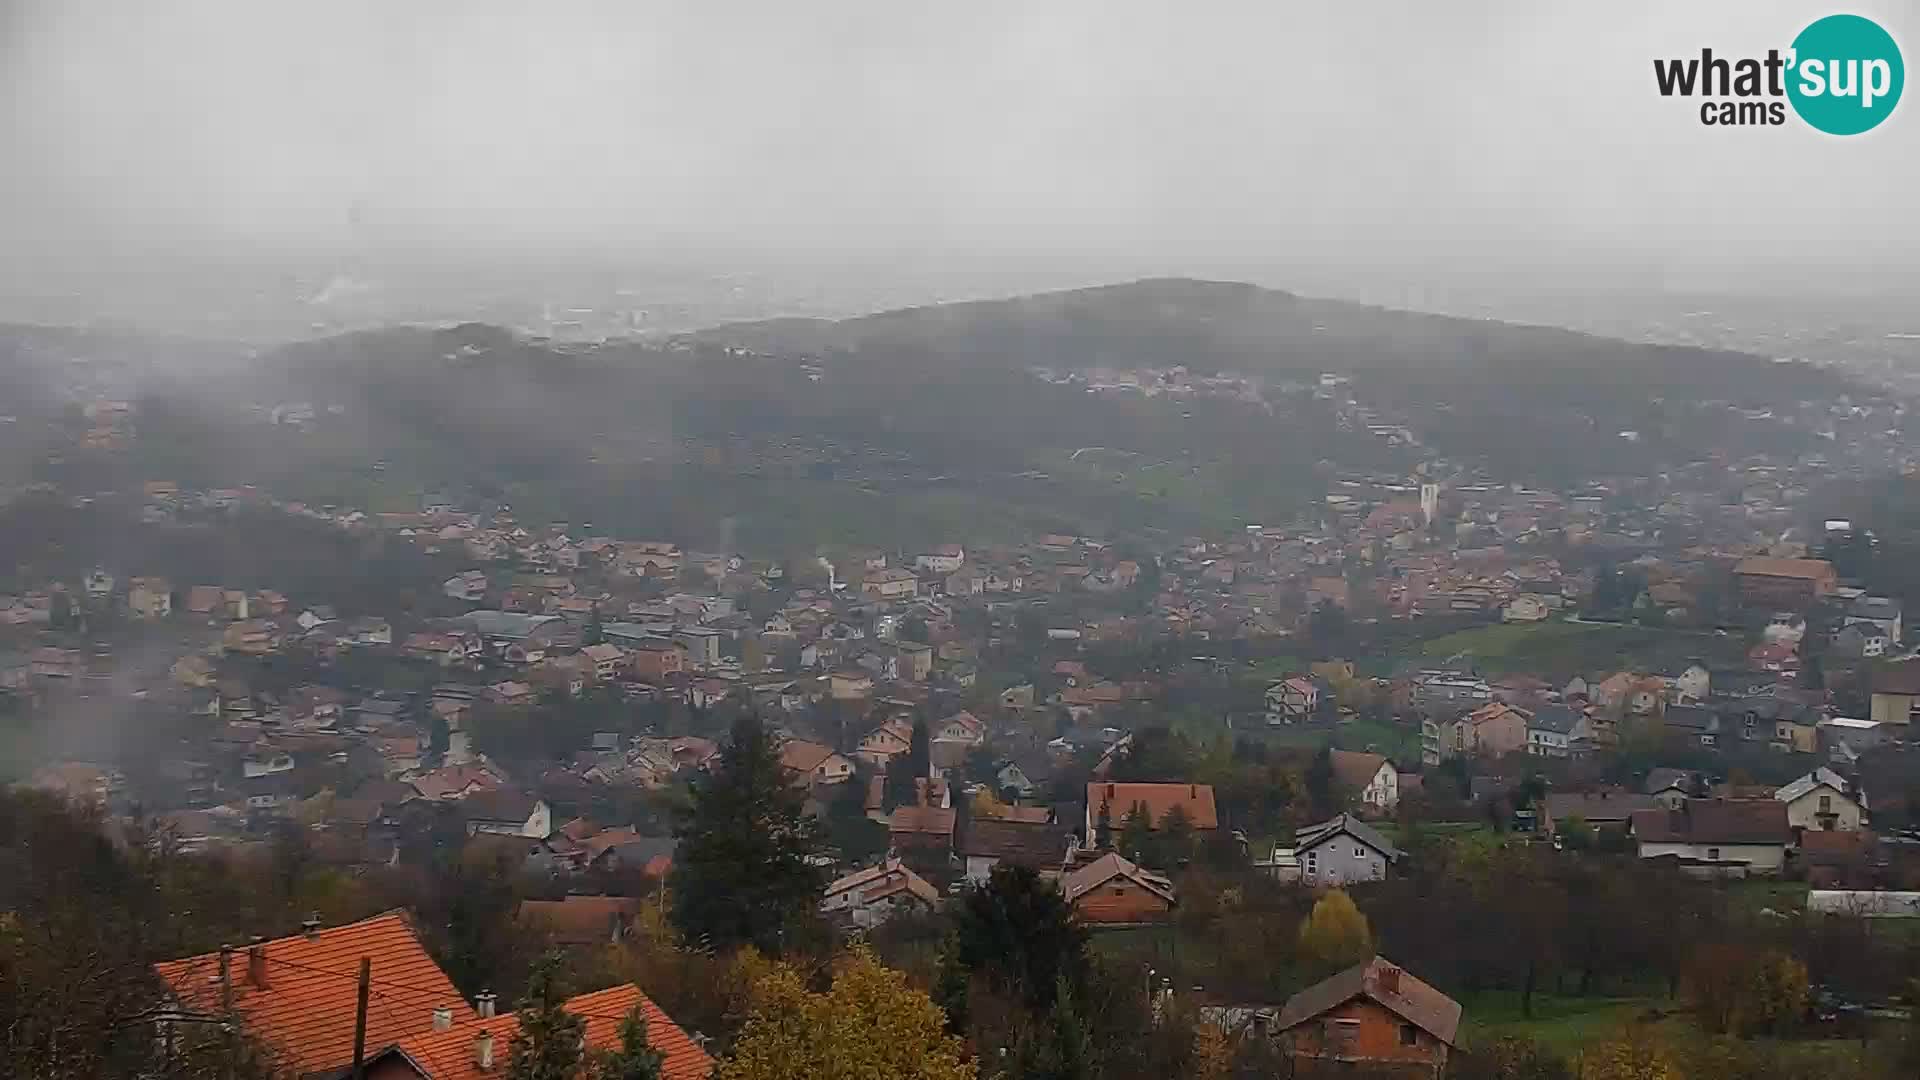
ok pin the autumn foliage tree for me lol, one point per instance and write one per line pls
(869, 1025)
(1335, 934)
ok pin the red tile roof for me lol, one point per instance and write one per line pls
(1160, 798)
(448, 1055)
(306, 1009)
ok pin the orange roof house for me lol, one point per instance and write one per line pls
(296, 994)
(1118, 800)
(478, 1048)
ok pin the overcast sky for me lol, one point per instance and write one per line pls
(1510, 130)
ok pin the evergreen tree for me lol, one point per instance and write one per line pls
(636, 1059)
(741, 874)
(1319, 779)
(595, 632)
(1060, 1046)
(1176, 837)
(547, 1044)
(906, 769)
(1019, 934)
(1136, 835)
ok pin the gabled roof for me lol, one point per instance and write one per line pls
(1344, 825)
(499, 804)
(1668, 779)
(1159, 799)
(804, 757)
(1108, 867)
(1558, 719)
(1762, 566)
(306, 1009)
(1813, 780)
(1715, 821)
(1901, 678)
(448, 1055)
(890, 878)
(929, 820)
(579, 920)
(1599, 806)
(1040, 845)
(1379, 981)
(1354, 769)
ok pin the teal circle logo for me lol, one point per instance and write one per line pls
(1846, 75)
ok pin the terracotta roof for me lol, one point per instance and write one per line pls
(1715, 821)
(931, 820)
(1106, 868)
(803, 757)
(1160, 798)
(448, 1055)
(1380, 981)
(1354, 769)
(1761, 566)
(580, 920)
(306, 1009)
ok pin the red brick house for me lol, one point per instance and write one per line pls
(1113, 891)
(1373, 1018)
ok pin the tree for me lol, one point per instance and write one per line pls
(1136, 835)
(1018, 934)
(547, 1044)
(594, 632)
(1059, 1046)
(1320, 787)
(1510, 1057)
(1176, 836)
(870, 1025)
(1335, 935)
(1741, 991)
(1576, 834)
(636, 1059)
(904, 771)
(1630, 1055)
(741, 874)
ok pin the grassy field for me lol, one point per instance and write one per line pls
(1560, 650)
(1561, 1023)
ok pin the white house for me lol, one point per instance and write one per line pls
(1292, 700)
(1730, 837)
(1558, 731)
(944, 559)
(1371, 777)
(1339, 852)
(867, 898)
(1822, 800)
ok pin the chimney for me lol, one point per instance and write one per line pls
(1109, 792)
(310, 926)
(257, 963)
(1193, 791)
(483, 1004)
(1390, 980)
(442, 1018)
(483, 1050)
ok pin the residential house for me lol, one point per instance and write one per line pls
(944, 559)
(296, 994)
(1822, 801)
(866, 898)
(655, 659)
(1371, 778)
(1108, 805)
(1861, 641)
(849, 684)
(150, 597)
(504, 812)
(1735, 837)
(1291, 701)
(702, 644)
(1671, 787)
(1878, 612)
(921, 828)
(478, 1046)
(890, 585)
(609, 661)
(1559, 731)
(1603, 809)
(1375, 1019)
(1790, 584)
(1525, 608)
(814, 764)
(1342, 851)
(251, 637)
(1693, 724)
(916, 660)
(892, 738)
(962, 727)
(1492, 730)
(989, 842)
(1896, 691)
(1111, 891)
(581, 920)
